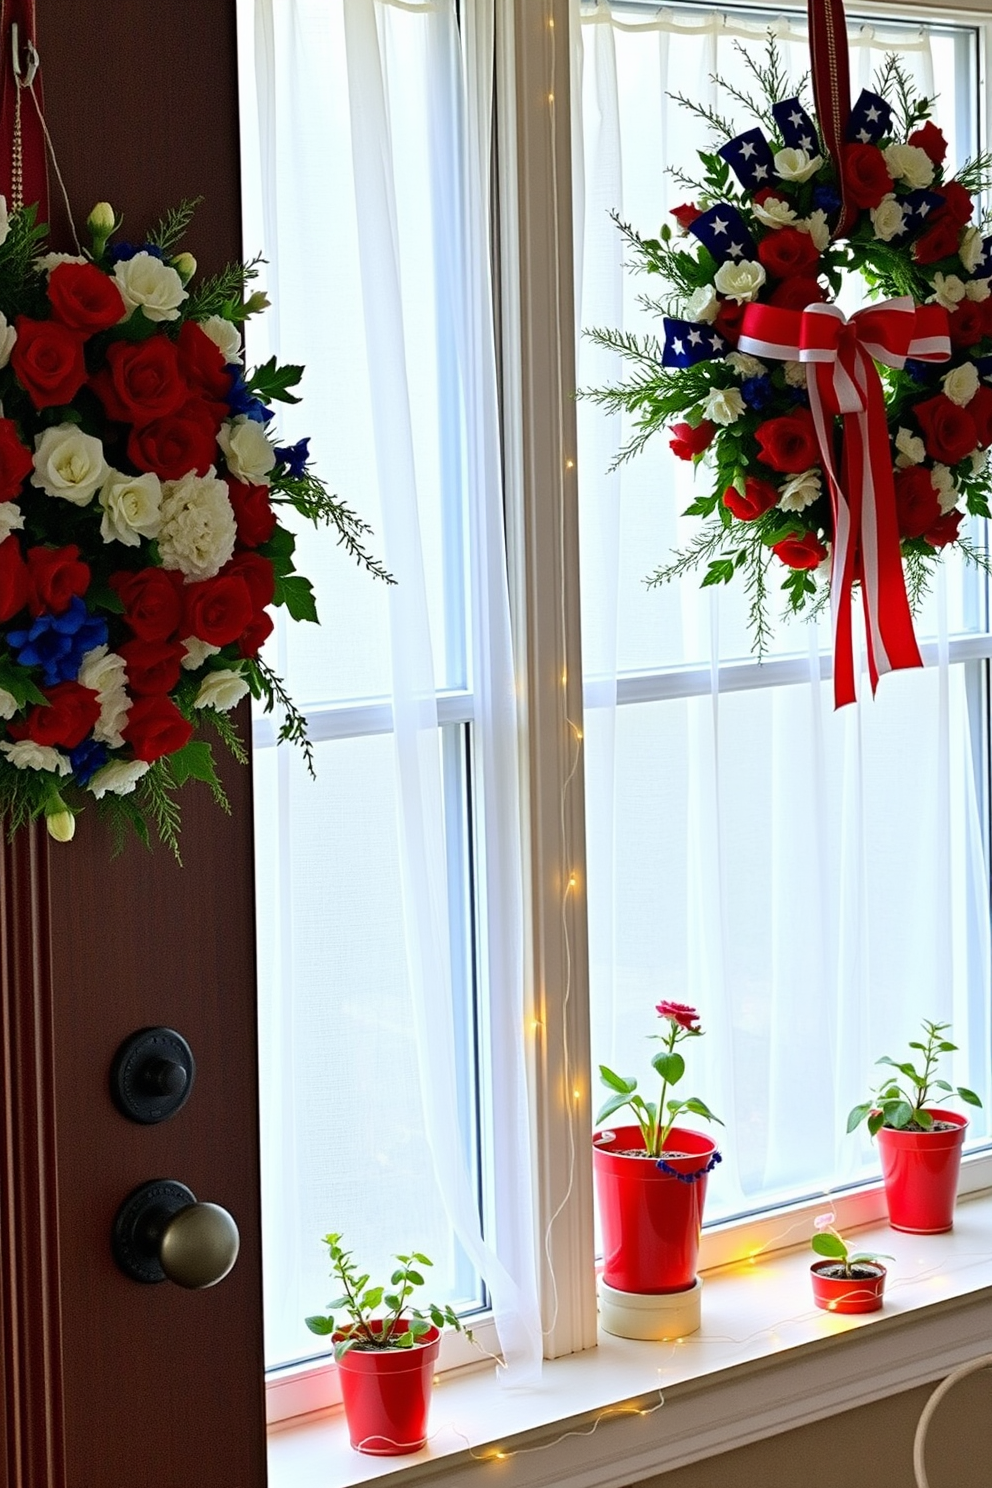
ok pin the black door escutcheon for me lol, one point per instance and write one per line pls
(152, 1075)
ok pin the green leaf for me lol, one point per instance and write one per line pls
(195, 761)
(922, 1118)
(341, 1348)
(700, 1108)
(897, 1113)
(826, 1244)
(857, 1114)
(270, 382)
(613, 1104)
(415, 1278)
(947, 1048)
(419, 1327)
(670, 1066)
(296, 593)
(403, 1340)
(320, 1325)
(969, 1096)
(616, 1082)
(398, 1277)
(424, 1260)
(875, 1122)
(720, 571)
(372, 1298)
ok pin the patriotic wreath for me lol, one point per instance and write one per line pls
(766, 377)
(141, 545)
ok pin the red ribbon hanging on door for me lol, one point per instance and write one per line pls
(832, 90)
(23, 158)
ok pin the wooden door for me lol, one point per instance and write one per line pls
(106, 1382)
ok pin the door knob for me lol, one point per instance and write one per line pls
(162, 1233)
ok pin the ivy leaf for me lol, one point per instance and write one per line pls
(195, 761)
(271, 383)
(296, 593)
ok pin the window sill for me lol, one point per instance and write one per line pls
(764, 1361)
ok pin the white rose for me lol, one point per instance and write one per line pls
(49, 261)
(221, 690)
(970, 252)
(131, 507)
(11, 517)
(912, 451)
(977, 289)
(887, 218)
(69, 463)
(198, 528)
(120, 777)
(106, 674)
(738, 281)
(796, 165)
(818, 227)
(225, 335)
(910, 164)
(8, 703)
(745, 365)
(724, 406)
(702, 305)
(949, 290)
(801, 491)
(979, 461)
(26, 755)
(795, 374)
(247, 450)
(961, 384)
(197, 652)
(774, 212)
(146, 281)
(8, 336)
(947, 492)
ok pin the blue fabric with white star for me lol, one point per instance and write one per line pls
(871, 118)
(750, 158)
(984, 365)
(916, 208)
(796, 127)
(687, 343)
(722, 231)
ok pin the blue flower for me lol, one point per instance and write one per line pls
(121, 252)
(757, 392)
(294, 457)
(825, 199)
(241, 400)
(58, 643)
(87, 758)
(919, 371)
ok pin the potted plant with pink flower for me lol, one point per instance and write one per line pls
(844, 1280)
(651, 1187)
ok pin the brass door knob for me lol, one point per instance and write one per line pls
(162, 1233)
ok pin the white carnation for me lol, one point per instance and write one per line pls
(703, 305)
(796, 165)
(197, 652)
(887, 218)
(724, 406)
(795, 374)
(818, 227)
(11, 517)
(119, 777)
(971, 252)
(198, 528)
(146, 281)
(106, 673)
(912, 450)
(961, 384)
(26, 755)
(745, 365)
(801, 491)
(774, 212)
(947, 492)
(8, 338)
(69, 463)
(979, 461)
(221, 690)
(910, 164)
(977, 289)
(8, 703)
(739, 281)
(49, 261)
(225, 335)
(949, 290)
(132, 507)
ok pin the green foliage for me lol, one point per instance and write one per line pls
(895, 85)
(902, 1105)
(308, 495)
(669, 1065)
(224, 293)
(271, 383)
(268, 688)
(169, 232)
(830, 1245)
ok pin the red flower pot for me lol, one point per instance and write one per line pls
(841, 1294)
(651, 1219)
(921, 1174)
(387, 1395)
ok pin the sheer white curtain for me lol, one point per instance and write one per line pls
(814, 882)
(366, 180)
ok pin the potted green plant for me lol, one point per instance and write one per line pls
(919, 1143)
(844, 1280)
(385, 1349)
(651, 1180)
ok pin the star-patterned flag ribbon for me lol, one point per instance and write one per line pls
(984, 365)
(722, 231)
(916, 208)
(871, 118)
(750, 158)
(688, 342)
(797, 128)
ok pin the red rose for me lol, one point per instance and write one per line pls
(15, 584)
(152, 600)
(155, 727)
(252, 511)
(980, 408)
(801, 552)
(67, 718)
(958, 204)
(796, 294)
(257, 573)
(176, 444)
(56, 576)
(930, 140)
(728, 320)
(967, 323)
(766, 192)
(141, 381)
(686, 215)
(788, 443)
(787, 251)
(218, 610)
(866, 175)
(759, 496)
(949, 432)
(15, 461)
(201, 362)
(939, 241)
(917, 504)
(680, 1013)
(945, 529)
(152, 666)
(83, 298)
(48, 361)
(256, 635)
(689, 441)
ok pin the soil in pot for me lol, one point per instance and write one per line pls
(858, 1288)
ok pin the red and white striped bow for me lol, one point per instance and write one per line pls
(842, 380)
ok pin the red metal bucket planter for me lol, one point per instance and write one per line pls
(921, 1174)
(387, 1396)
(841, 1294)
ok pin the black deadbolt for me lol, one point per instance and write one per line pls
(152, 1075)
